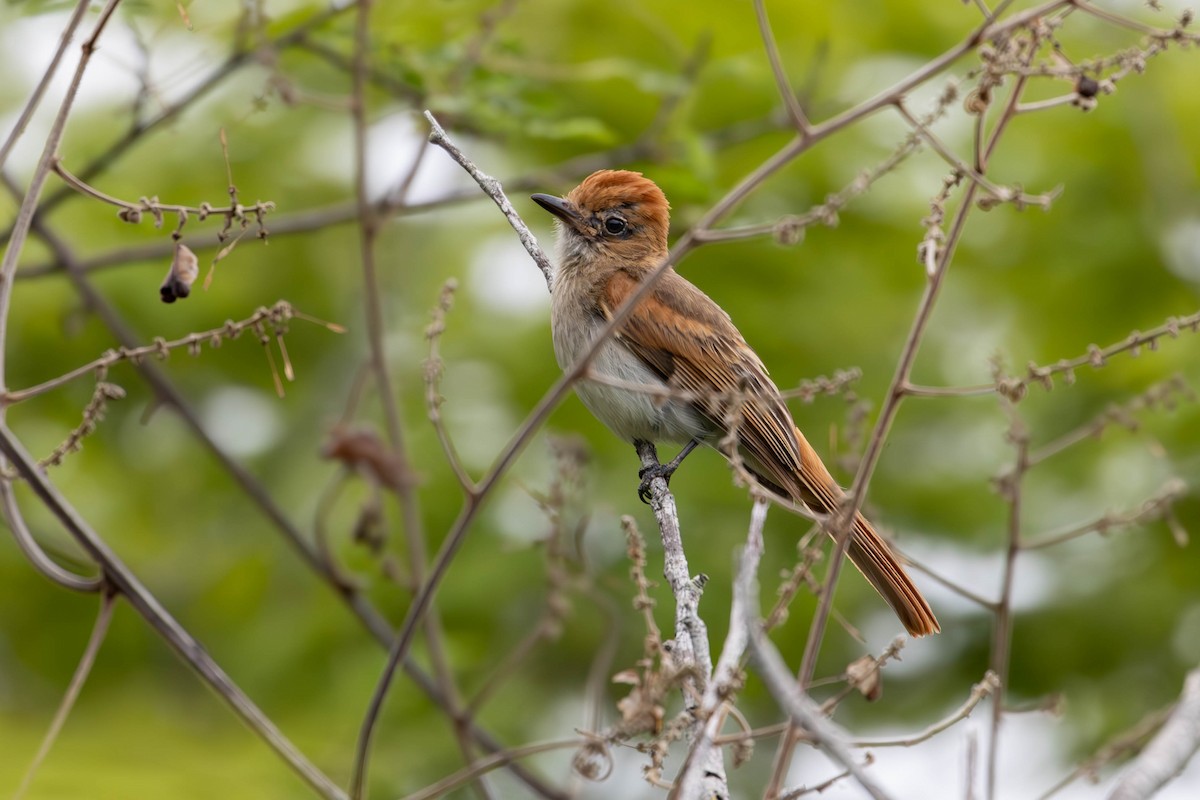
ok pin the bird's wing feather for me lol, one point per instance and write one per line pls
(681, 334)
(685, 337)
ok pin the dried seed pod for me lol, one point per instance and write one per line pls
(185, 268)
(864, 675)
(364, 450)
(1087, 87)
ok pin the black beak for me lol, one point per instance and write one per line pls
(556, 206)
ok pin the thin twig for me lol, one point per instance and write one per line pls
(24, 221)
(1002, 626)
(979, 389)
(953, 586)
(800, 708)
(790, 101)
(277, 316)
(315, 219)
(1170, 749)
(369, 225)
(82, 670)
(39, 91)
(133, 212)
(979, 692)
(1154, 507)
(702, 756)
(790, 229)
(1097, 357)
(493, 189)
(33, 552)
(185, 646)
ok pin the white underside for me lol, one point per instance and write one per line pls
(634, 415)
(630, 414)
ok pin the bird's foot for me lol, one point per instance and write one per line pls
(656, 470)
(648, 474)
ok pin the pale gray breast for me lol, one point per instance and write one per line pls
(629, 414)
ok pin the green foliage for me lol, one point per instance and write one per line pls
(525, 88)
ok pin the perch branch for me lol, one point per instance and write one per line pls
(1170, 749)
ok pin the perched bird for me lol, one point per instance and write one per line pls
(612, 233)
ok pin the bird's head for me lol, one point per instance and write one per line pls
(613, 214)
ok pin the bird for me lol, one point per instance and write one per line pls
(611, 234)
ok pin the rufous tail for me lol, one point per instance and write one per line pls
(875, 561)
(866, 550)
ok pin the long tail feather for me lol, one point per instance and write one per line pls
(866, 550)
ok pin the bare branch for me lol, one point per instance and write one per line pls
(1170, 749)
(276, 316)
(790, 101)
(492, 188)
(20, 231)
(40, 90)
(801, 709)
(133, 212)
(82, 670)
(691, 649)
(704, 761)
(980, 691)
(187, 648)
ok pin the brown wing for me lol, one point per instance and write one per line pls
(681, 334)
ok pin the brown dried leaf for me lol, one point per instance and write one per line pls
(185, 268)
(627, 676)
(865, 676)
(364, 450)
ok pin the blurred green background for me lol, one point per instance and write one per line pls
(1109, 623)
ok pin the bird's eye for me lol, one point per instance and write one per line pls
(614, 225)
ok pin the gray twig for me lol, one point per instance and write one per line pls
(803, 711)
(147, 605)
(690, 650)
(704, 760)
(1170, 749)
(494, 190)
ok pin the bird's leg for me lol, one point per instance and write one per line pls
(664, 471)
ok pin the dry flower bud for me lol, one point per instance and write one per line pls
(185, 268)
(628, 677)
(365, 451)
(593, 761)
(1087, 87)
(789, 230)
(864, 675)
(977, 101)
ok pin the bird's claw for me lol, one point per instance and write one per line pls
(648, 474)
